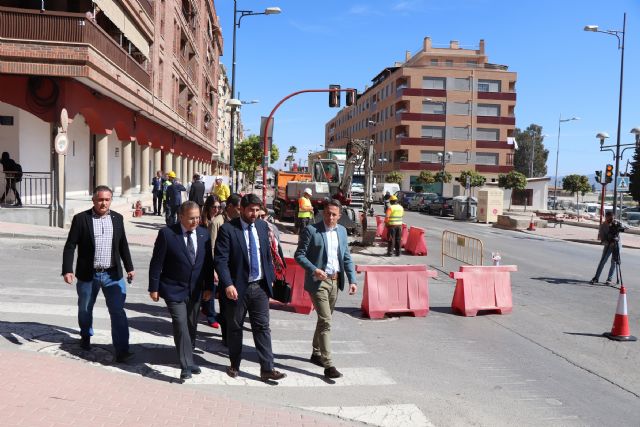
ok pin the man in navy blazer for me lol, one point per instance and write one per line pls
(181, 268)
(244, 265)
(323, 252)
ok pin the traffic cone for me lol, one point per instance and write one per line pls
(532, 225)
(620, 330)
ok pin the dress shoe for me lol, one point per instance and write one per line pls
(185, 374)
(195, 369)
(124, 357)
(316, 359)
(214, 325)
(272, 375)
(332, 372)
(232, 372)
(85, 343)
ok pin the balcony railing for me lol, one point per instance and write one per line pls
(70, 28)
(35, 188)
(147, 6)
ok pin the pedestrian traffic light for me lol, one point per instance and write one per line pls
(608, 174)
(599, 177)
(351, 97)
(334, 96)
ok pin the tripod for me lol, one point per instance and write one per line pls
(615, 255)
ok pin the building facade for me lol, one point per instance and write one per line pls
(445, 108)
(138, 79)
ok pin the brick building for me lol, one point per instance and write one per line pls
(443, 108)
(138, 78)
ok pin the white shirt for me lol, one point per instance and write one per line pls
(333, 265)
(245, 232)
(194, 238)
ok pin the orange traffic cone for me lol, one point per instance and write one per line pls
(620, 330)
(532, 225)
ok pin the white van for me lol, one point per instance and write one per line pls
(382, 188)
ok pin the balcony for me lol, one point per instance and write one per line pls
(406, 91)
(422, 142)
(34, 26)
(420, 117)
(504, 145)
(496, 120)
(419, 166)
(499, 96)
(493, 168)
(147, 6)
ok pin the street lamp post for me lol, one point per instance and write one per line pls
(236, 24)
(444, 157)
(617, 34)
(555, 183)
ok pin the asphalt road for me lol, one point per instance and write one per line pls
(544, 364)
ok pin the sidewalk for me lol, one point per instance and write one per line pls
(40, 390)
(583, 234)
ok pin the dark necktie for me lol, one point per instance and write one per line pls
(253, 253)
(190, 248)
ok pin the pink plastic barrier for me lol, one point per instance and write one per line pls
(300, 300)
(482, 288)
(395, 289)
(380, 225)
(405, 235)
(416, 243)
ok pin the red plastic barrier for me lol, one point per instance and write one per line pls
(380, 225)
(482, 288)
(300, 300)
(395, 289)
(416, 243)
(405, 235)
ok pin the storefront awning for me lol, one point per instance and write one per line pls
(124, 24)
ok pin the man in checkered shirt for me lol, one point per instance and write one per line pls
(99, 235)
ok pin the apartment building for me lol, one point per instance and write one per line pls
(444, 108)
(138, 79)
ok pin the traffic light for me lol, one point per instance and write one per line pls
(351, 97)
(599, 177)
(334, 96)
(608, 174)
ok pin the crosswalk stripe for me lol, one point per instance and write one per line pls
(407, 415)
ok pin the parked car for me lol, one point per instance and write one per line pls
(632, 218)
(442, 206)
(420, 201)
(404, 197)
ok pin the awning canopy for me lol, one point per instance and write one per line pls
(124, 24)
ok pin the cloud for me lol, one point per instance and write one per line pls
(407, 5)
(310, 28)
(363, 10)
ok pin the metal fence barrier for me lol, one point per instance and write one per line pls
(35, 188)
(466, 249)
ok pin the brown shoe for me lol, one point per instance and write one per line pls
(272, 375)
(316, 359)
(232, 372)
(332, 372)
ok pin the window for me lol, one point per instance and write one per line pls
(429, 157)
(459, 158)
(433, 132)
(430, 107)
(434, 62)
(460, 133)
(461, 84)
(449, 63)
(459, 108)
(487, 159)
(492, 110)
(487, 134)
(488, 85)
(434, 83)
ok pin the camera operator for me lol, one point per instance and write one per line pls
(609, 235)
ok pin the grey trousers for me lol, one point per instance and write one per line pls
(324, 301)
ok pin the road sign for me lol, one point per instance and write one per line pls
(623, 184)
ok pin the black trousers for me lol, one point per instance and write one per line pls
(255, 301)
(394, 235)
(184, 319)
(157, 202)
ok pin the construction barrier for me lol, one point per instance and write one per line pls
(395, 289)
(620, 330)
(416, 243)
(482, 288)
(405, 235)
(380, 225)
(465, 249)
(300, 300)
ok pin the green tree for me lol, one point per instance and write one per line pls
(634, 177)
(248, 157)
(576, 184)
(513, 181)
(289, 159)
(426, 177)
(474, 178)
(530, 145)
(292, 150)
(275, 154)
(395, 177)
(443, 177)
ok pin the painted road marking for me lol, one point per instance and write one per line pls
(385, 416)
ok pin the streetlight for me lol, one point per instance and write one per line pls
(236, 24)
(617, 34)
(555, 184)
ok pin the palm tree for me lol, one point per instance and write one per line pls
(290, 159)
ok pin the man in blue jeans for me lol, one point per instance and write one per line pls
(99, 235)
(611, 242)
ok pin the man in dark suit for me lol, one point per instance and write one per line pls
(244, 265)
(173, 198)
(323, 252)
(156, 189)
(181, 268)
(99, 235)
(196, 192)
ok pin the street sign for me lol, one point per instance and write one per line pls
(623, 184)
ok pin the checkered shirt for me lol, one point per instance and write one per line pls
(103, 238)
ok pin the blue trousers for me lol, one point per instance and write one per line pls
(606, 253)
(115, 294)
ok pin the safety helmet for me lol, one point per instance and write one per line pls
(171, 174)
(393, 198)
(308, 191)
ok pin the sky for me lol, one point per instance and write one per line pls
(562, 70)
